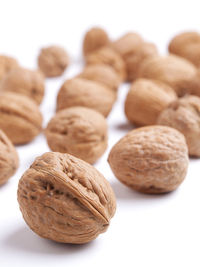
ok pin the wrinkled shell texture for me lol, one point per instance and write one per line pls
(6, 65)
(102, 74)
(65, 199)
(82, 92)
(26, 82)
(53, 61)
(187, 45)
(94, 39)
(151, 159)
(184, 115)
(146, 99)
(9, 161)
(172, 70)
(79, 131)
(108, 56)
(20, 118)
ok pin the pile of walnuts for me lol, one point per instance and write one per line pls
(62, 196)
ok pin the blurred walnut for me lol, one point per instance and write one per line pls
(6, 65)
(65, 199)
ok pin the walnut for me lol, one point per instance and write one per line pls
(151, 159)
(20, 118)
(9, 160)
(82, 92)
(146, 99)
(184, 115)
(26, 82)
(53, 61)
(79, 131)
(65, 199)
(6, 65)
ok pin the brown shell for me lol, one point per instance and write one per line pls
(79, 131)
(108, 56)
(65, 199)
(146, 99)
(151, 159)
(172, 70)
(94, 39)
(9, 160)
(184, 115)
(101, 73)
(53, 61)
(7, 64)
(82, 92)
(20, 118)
(26, 82)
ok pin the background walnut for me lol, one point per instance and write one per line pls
(101, 73)
(184, 115)
(6, 65)
(94, 39)
(82, 92)
(20, 118)
(65, 199)
(9, 160)
(146, 99)
(53, 61)
(151, 159)
(26, 82)
(79, 131)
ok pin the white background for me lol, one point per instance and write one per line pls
(146, 230)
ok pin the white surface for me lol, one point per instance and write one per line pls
(146, 230)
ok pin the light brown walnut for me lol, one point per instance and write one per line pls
(82, 92)
(26, 82)
(151, 159)
(146, 99)
(184, 115)
(7, 64)
(20, 118)
(53, 61)
(79, 131)
(65, 199)
(9, 160)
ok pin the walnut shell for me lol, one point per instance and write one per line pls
(187, 45)
(151, 159)
(20, 118)
(79, 131)
(82, 92)
(26, 82)
(172, 70)
(102, 74)
(65, 199)
(94, 39)
(53, 61)
(108, 56)
(184, 115)
(9, 160)
(146, 99)
(7, 64)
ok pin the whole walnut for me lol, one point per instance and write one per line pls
(53, 61)
(82, 92)
(103, 74)
(187, 45)
(79, 131)
(146, 99)
(20, 118)
(151, 159)
(184, 115)
(65, 199)
(9, 160)
(7, 64)
(94, 39)
(26, 82)
(172, 70)
(108, 56)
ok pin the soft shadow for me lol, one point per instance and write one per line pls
(25, 241)
(125, 126)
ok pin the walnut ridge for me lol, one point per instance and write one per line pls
(7, 64)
